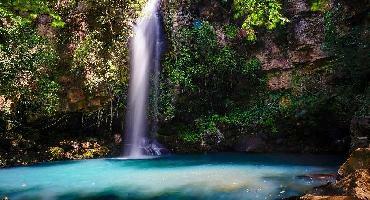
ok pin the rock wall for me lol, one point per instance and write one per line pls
(313, 71)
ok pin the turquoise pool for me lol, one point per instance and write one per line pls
(205, 176)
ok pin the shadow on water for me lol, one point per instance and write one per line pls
(187, 160)
(113, 194)
(19, 192)
(172, 161)
(184, 192)
(46, 164)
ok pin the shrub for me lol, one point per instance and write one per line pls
(258, 13)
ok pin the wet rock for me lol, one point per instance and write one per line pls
(117, 138)
(307, 36)
(295, 7)
(306, 54)
(273, 56)
(77, 150)
(308, 30)
(251, 143)
(360, 132)
(75, 95)
(280, 81)
(354, 9)
(66, 80)
(212, 11)
(300, 44)
(95, 102)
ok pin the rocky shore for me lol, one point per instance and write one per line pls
(353, 178)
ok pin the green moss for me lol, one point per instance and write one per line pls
(319, 5)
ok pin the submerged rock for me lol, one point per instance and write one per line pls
(321, 177)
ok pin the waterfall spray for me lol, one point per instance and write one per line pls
(146, 48)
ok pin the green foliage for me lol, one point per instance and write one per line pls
(330, 30)
(231, 31)
(29, 10)
(198, 58)
(319, 5)
(101, 57)
(190, 137)
(214, 88)
(88, 62)
(56, 153)
(218, 94)
(252, 67)
(199, 64)
(337, 89)
(210, 88)
(210, 82)
(42, 58)
(77, 150)
(258, 13)
(27, 61)
(350, 48)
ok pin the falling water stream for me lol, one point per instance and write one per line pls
(146, 47)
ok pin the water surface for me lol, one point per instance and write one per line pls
(212, 176)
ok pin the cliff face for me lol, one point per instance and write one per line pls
(310, 57)
(314, 72)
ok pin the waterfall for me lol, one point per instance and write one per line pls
(146, 47)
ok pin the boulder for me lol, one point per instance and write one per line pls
(251, 143)
(295, 7)
(280, 81)
(355, 174)
(360, 132)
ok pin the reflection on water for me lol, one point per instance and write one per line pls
(212, 176)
